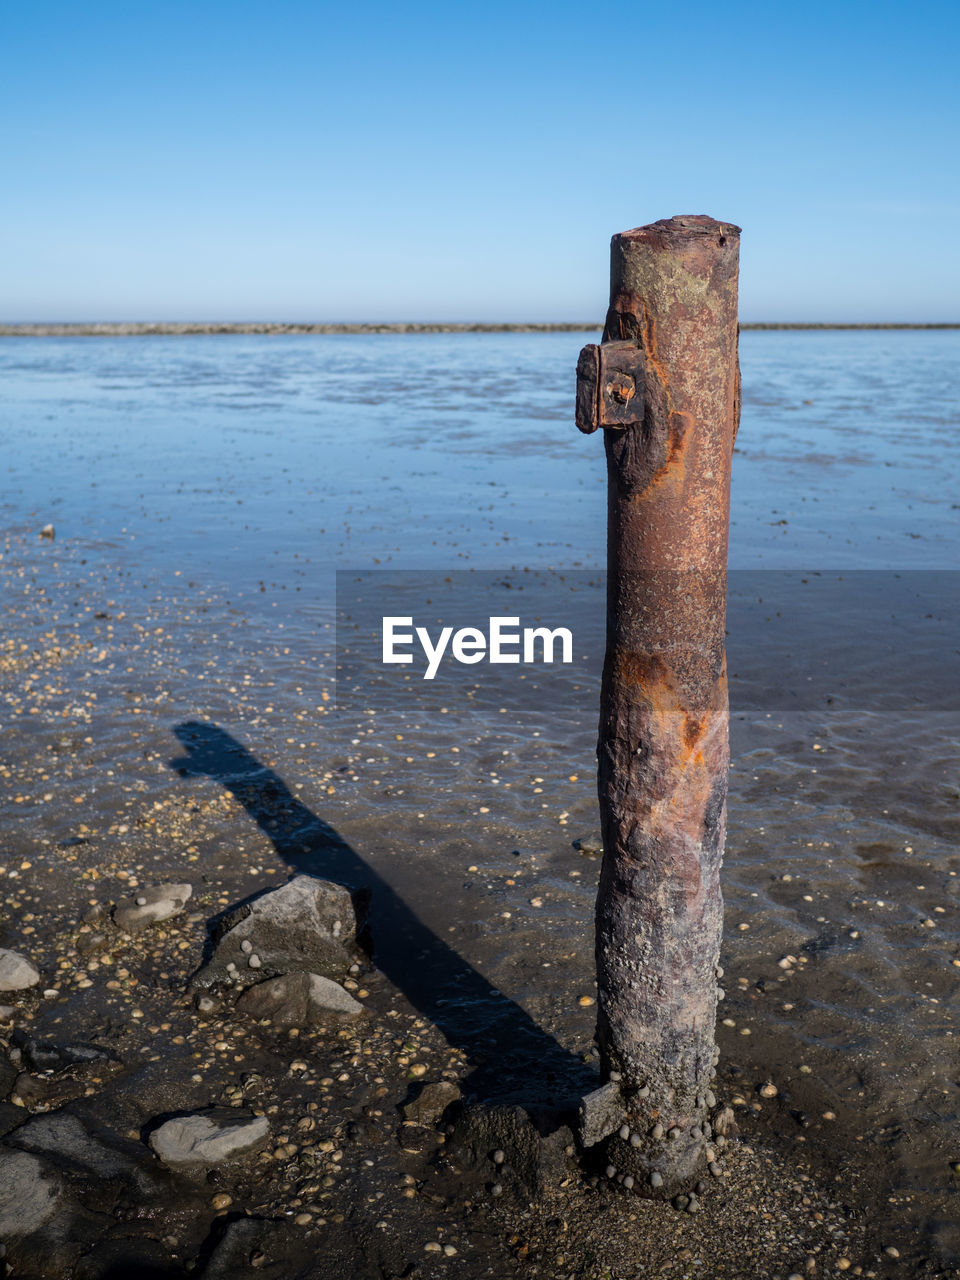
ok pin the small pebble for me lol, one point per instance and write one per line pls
(254, 962)
(496, 1189)
(635, 1140)
(628, 1181)
(715, 1169)
(674, 1135)
(892, 1251)
(656, 1179)
(693, 1205)
(624, 1132)
(584, 1001)
(246, 946)
(656, 1132)
(303, 1219)
(843, 1264)
(141, 901)
(432, 1247)
(499, 1157)
(768, 1090)
(222, 1201)
(611, 1171)
(449, 1250)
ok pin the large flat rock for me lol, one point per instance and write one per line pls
(300, 1000)
(16, 971)
(306, 925)
(203, 1140)
(151, 905)
(29, 1195)
(85, 1153)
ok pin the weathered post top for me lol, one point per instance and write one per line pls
(664, 386)
(673, 300)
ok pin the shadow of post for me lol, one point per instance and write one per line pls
(512, 1057)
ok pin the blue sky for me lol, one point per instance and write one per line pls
(312, 161)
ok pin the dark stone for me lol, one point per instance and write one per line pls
(270, 1243)
(123, 1259)
(104, 1166)
(35, 1091)
(428, 1107)
(300, 1000)
(307, 925)
(92, 942)
(11, 1118)
(724, 1124)
(151, 905)
(534, 1143)
(601, 1113)
(48, 1055)
(8, 1074)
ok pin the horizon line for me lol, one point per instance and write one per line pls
(122, 329)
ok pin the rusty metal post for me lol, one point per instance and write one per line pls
(664, 385)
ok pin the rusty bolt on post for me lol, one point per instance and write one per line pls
(664, 385)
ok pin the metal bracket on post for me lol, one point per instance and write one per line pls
(609, 386)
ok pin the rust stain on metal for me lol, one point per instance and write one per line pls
(663, 742)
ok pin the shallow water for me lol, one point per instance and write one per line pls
(240, 453)
(204, 491)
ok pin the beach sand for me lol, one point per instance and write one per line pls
(157, 732)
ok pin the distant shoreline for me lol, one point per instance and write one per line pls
(125, 329)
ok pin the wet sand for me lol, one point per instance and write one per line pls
(158, 734)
